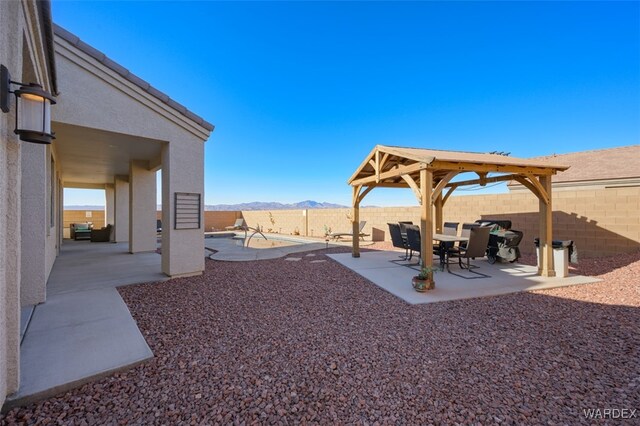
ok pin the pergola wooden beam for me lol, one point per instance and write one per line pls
(437, 191)
(414, 186)
(426, 221)
(498, 168)
(394, 171)
(492, 179)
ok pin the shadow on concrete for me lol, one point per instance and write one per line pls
(590, 239)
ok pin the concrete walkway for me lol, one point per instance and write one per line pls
(384, 269)
(84, 330)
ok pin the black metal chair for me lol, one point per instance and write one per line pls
(403, 228)
(449, 228)
(397, 240)
(476, 247)
(413, 239)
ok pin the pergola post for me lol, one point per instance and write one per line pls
(546, 267)
(426, 220)
(355, 224)
(439, 219)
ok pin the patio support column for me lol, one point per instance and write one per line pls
(34, 228)
(355, 223)
(121, 208)
(439, 220)
(142, 207)
(426, 220)
(109, 205)
(182, 172)
(546, 267)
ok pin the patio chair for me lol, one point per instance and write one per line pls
(102, 235)
(403, 227)
(450, 228)
(397, 240)
(361, 234)
(413, 239)
(80, 231)
(476, 247)
(239, 224)
(466, 232)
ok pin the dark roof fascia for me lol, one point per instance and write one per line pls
(44, 9)
(125, 73)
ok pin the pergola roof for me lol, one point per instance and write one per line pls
(386, 165)
(428, 172)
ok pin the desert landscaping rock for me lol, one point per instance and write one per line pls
(276, 341)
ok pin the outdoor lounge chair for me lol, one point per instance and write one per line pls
(338, 235)
(239, 224)
(80, 231)
(476, 247)
(102, 235)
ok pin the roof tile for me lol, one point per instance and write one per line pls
(611, 163)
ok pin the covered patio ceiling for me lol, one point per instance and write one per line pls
(92, 158)
(430, 174)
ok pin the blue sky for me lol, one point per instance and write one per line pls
(300, 92)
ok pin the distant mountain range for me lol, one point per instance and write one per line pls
(255, 205)
(261, 205)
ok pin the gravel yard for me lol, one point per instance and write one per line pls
(293, 342)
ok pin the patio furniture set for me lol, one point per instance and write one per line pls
(85, 231)
(491, 238)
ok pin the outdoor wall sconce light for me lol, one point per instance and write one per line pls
(33, 108)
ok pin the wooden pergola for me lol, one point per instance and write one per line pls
(429, 174)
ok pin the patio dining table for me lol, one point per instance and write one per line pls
(443, 239)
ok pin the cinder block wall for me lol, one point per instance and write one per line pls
(218, 220)
(601, 221)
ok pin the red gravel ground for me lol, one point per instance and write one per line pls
(299, 342)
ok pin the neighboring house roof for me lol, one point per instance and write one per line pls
(601, 164)
(103, 59)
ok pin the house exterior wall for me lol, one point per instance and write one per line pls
(601, 222)
(121, 209)
(22, 52)
(142, 208)
(182, 171)
(34, 228)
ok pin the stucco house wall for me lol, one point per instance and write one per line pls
(22, 51)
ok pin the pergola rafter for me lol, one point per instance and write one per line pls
(430, 172)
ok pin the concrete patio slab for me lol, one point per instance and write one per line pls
(384, 269)
(83, 265)
(74, 338)
(84, 330)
